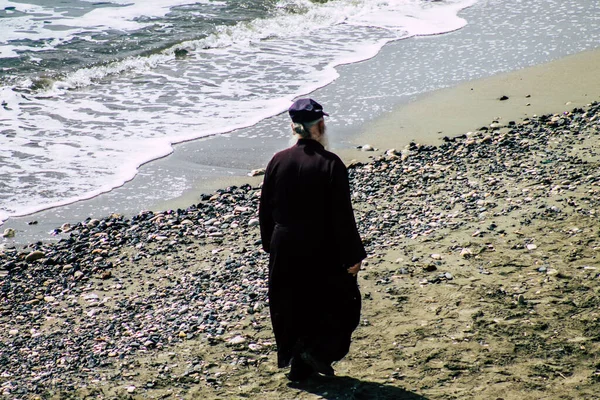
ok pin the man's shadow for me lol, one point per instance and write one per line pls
(347, 388)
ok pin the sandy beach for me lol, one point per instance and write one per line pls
(482, 279)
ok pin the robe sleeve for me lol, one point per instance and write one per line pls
(265, 210)
(347, 239)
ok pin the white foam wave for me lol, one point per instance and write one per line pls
(36, 22)
(413, 16)
(75, 144)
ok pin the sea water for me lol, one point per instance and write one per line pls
(92, 90)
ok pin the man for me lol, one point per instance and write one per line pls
(307, 225)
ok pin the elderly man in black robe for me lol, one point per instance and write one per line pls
(308, 228)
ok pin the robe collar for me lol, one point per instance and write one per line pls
(309, 143)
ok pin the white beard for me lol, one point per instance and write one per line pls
(323, 140)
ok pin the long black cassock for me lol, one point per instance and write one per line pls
(308, 227)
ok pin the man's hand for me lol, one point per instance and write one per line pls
(353, 270)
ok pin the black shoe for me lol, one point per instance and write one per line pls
(299, 371)
(318, 365)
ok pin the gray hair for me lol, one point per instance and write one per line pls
(302, 129)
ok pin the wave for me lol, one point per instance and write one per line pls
(94, 127)
(291, 18)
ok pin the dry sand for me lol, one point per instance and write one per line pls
(548, 88)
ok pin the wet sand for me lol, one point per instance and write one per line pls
(482, 279)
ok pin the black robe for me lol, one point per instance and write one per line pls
(308, 227)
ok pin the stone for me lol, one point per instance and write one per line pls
(436, 256)
(257, 172)
(531, 246)
(34, 255)
(237, 340)
(367, 147)
(9, 233)
(254, 222)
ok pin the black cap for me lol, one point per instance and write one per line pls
(306, 110)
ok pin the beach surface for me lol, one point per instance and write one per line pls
(482, 280)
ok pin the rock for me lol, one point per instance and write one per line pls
(34, 255)
(237, 340)
(367, 147)
(436, 256)
(9, 233)
(448, 276)
(13, 332)
(257, 172)
(531, 246)
(254, 222)
(502, 98)
(466, 252)
(254, 347)
(180, 53)
(49, 299)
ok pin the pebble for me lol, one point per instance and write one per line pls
(257, 172)
(367, 147)
(34, 255)
(9, 233)
(237, 340)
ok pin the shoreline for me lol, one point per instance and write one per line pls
(481, 280)
(571, 78)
